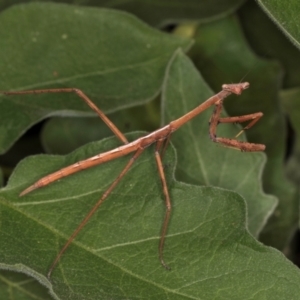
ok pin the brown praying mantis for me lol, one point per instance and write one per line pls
(160, 138)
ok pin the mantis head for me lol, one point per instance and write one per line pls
(235, 88)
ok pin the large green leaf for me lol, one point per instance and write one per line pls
(285, 16)
(116, 255)
(118, 59)
(201, 162)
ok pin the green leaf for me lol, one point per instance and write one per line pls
(118, 59)
(275, 46)
(116, 254)
(285, 17)
(15, 285)
(200, 161)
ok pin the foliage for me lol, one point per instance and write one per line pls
(223, 200)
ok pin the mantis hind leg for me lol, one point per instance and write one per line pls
(164, 229)
(85, 98)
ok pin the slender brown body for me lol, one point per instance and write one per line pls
(161, 137)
